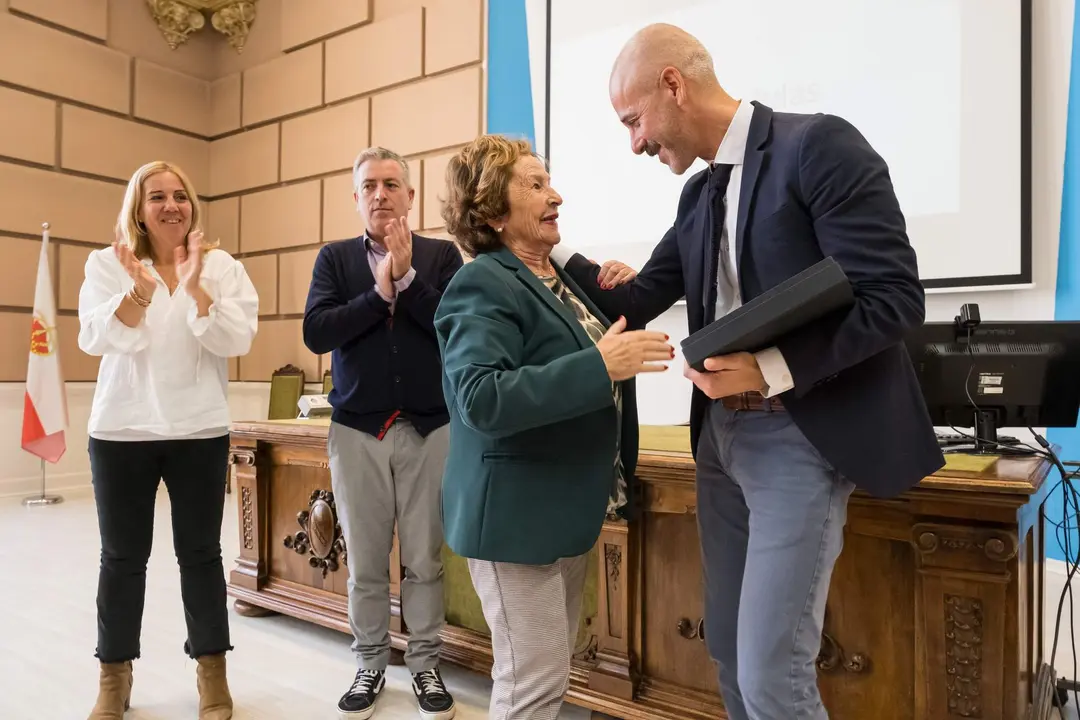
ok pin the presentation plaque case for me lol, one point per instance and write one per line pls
(821, 289)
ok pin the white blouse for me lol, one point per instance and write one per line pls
(168, 377)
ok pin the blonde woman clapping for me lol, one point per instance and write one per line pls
(164, 312)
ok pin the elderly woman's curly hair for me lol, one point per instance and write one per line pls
(477, 184)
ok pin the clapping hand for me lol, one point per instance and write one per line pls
(728, 375)
(383, 273)
(189, 262)
(399, 244)
(145, 284)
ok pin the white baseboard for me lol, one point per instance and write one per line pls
(1056, 574)
(1057, 567)
(55, 483)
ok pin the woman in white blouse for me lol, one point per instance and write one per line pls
(165, 313)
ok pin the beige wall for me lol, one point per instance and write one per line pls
(268, 138)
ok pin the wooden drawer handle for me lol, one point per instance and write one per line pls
(832, 656)
(691, 630)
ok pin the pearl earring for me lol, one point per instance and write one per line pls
(498, 230)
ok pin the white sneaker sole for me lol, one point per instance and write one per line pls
(359, 714)
(444, 715)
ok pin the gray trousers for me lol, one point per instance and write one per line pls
(771, 515)
(532, 612)
(376, 482)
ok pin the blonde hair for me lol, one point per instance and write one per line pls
(477, 185)
(128, 226)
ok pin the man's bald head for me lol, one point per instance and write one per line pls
(664, 91)
(659, 46)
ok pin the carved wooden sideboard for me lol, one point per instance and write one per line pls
(935, 609)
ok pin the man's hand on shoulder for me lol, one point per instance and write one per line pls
(728, 375)
(614, 273)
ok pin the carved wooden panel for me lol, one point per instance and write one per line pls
(964, 655)
(319, 535)
(250, 570)
(247, 518)
(1031, 618)
(968, 585)
(614, 671)
(293, 486)
(673, 603)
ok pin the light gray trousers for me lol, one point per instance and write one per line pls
(532, 612)
(376, 482)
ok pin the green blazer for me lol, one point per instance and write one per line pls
(533, 424)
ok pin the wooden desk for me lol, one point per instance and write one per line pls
(935, 609)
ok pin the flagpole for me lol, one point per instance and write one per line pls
(41, 498)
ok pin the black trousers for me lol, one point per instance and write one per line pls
(125, 477)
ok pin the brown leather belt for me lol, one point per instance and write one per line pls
(752, 401)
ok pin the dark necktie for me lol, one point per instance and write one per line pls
(719, 175)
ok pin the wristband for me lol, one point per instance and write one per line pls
(139, 299)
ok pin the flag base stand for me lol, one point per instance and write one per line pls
(42, 498)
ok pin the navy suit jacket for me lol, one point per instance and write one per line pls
(812, 187)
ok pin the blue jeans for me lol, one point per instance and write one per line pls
(771, 514)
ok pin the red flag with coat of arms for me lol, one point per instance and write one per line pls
(45, 416)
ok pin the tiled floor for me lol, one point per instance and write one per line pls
(281, 668)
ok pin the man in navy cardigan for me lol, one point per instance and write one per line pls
(372, 305)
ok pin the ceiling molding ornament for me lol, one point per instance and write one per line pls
(178, 19)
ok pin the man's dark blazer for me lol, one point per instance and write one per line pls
(812, 187)
(533, 423)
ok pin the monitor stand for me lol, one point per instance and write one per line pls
(987, 441)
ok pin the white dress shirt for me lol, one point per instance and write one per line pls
(774, 368)
(732, 151)
(168, 377)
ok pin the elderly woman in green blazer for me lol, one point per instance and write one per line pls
(543, 422)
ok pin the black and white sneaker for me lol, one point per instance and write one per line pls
(358, 703)
(432, 696)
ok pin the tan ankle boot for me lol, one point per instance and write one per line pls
(114, 691)
(215, 702)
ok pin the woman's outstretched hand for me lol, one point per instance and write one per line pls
(628, 353)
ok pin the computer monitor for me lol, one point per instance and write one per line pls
(990, 375)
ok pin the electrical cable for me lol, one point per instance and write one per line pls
(1069, 493)
(1063, 530)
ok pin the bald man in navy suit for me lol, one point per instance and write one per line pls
(782, 436)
